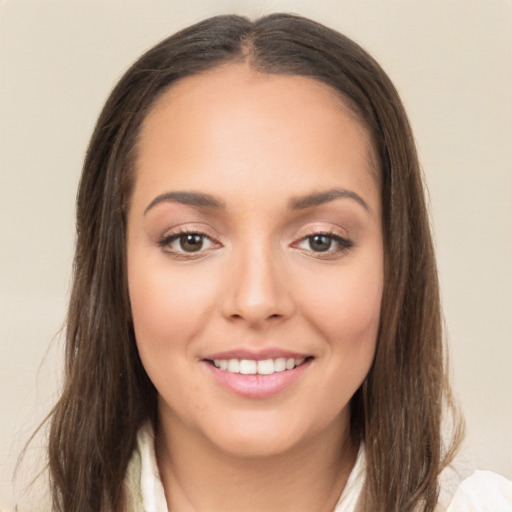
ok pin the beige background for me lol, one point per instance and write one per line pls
(452, 63)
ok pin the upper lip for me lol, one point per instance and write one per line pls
(257, 355)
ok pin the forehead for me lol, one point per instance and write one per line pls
(221, 81)
(232, 120)
(232, 82)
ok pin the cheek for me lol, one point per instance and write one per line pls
(360, 305)
(344, 310)
(346, 313)
(347, 306)
(167, 307)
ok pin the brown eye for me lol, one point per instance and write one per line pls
(190, 245)
(324, 245)
(191, 242)
(320, 243)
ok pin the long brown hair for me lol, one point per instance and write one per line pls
(107, 394)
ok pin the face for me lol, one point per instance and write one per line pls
(255, 259)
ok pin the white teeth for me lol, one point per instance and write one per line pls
(280, 364)
(261, 367)
(266, 367)
(234, 366)
(248, 366)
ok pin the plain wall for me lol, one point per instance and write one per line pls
(451, 62)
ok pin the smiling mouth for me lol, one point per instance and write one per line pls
(258, 367)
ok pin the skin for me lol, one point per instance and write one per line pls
(254, 142)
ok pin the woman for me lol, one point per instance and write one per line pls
(255, 321)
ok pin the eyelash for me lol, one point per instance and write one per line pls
(166, 241)
(342, 244)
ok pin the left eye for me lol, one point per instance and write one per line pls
(324, 242)
(319, 243)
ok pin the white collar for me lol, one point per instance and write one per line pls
(152, 491)
(148, 493)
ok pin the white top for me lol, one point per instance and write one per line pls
(463, 489)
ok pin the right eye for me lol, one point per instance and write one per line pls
(191, 242)
(184, 243)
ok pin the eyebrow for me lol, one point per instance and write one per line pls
(296, 203)
(188, 198)
(318, 198)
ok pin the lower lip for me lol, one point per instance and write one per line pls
(258, 386)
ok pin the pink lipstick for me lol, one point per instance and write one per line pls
(257, 374)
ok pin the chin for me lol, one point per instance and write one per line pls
(262, 436)
(252, 445)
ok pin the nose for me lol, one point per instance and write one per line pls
(258, 292)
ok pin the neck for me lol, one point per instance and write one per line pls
(199, 477)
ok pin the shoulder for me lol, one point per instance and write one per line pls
(483, 491)
(463, 488)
